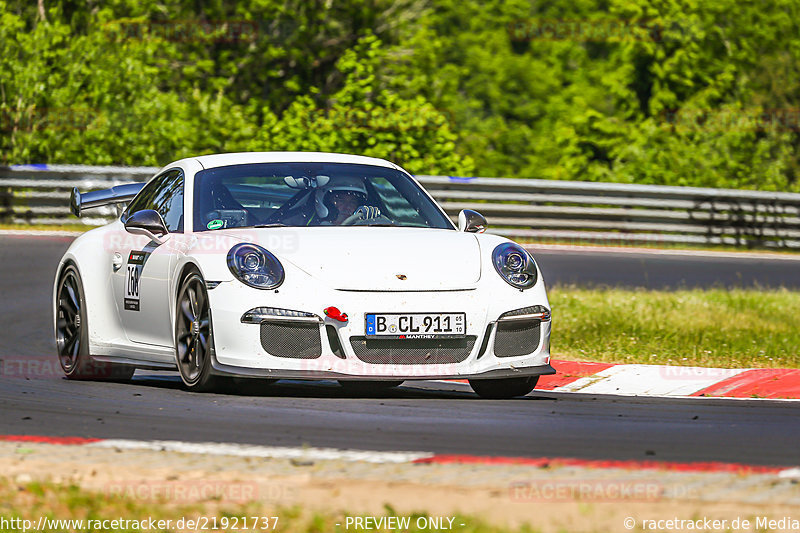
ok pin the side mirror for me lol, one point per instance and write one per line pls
(471, 221)
(149, 223)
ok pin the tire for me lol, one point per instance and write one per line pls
(369, 387)
(72, 334)
(194, 335)
(503, 389)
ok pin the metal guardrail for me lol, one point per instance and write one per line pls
(39, 194)
(621, 213)
(521, 208)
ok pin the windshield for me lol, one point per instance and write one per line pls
(310, 194)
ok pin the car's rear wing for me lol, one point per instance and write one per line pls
(115, 195)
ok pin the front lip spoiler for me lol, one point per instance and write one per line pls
(246, 372)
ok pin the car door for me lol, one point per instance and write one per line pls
(142, 281)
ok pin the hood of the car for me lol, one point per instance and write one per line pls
(378, 259)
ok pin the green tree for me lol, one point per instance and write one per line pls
(365, 119)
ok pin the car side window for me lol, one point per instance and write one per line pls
(164, 194)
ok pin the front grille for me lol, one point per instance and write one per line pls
(412, 351)
(292, 340)
(516, 337)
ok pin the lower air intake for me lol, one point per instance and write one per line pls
(412, 351)
(516, 337)
(291, 340)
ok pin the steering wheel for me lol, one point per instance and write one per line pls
(297, 202)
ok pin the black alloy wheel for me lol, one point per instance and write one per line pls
(193, 335)
(72, 334)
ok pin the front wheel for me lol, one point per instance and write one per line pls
(193, 335)
(503, 389)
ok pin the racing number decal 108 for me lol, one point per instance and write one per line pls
(134, 274)
(132, 289)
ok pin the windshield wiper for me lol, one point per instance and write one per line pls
(272, 225)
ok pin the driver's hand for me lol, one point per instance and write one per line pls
(365, 212)
(368, 212)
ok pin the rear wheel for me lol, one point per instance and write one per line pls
(193, 335)
(369, 387)
(72, 334)
(503, 389)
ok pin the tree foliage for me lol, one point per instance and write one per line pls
(680, 92)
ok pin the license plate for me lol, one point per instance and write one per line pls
(416, 325)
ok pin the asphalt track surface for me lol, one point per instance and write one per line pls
(432, 417)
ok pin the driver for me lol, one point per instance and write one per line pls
(343, 201)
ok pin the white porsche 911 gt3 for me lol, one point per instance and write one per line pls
(297, 265)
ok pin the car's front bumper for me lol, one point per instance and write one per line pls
(241, 350)
(500, 373)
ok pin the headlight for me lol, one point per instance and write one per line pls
(255, 266)
(515, 265)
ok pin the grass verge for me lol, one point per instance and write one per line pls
(91, 511)
(713, 328)
(46, 227)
